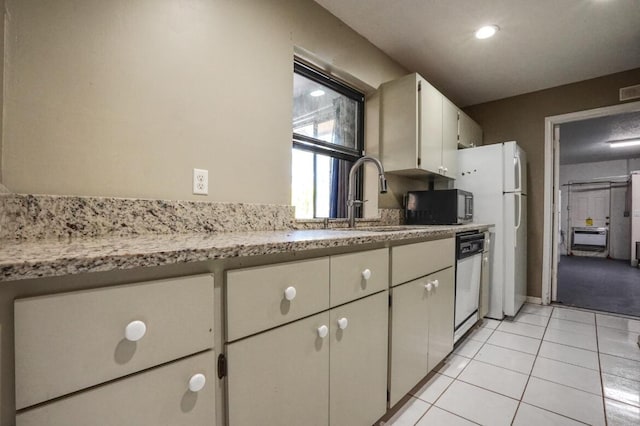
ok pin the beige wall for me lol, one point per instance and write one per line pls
(635, 215)
(521, 118)
(125, 98)
(2, 20)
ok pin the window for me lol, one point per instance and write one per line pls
(328, 122)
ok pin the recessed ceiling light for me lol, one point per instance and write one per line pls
(487, 31)
(317, 93)
(623, 143)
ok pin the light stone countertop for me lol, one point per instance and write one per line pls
(56, 257)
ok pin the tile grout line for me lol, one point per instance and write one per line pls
(604, 404)
(561, 384)
(524, 390)
(454, 379)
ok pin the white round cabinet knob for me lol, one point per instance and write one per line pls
(366, 274)
(436, 283)
(290, 293)
(343, 323)
(135, 331)
(428, 286)
(323, 330)
(196, 382)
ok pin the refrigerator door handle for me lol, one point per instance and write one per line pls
(519, 221)
(519, 175)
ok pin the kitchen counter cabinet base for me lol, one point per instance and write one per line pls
(160, 396)
(358, 362)
(70, 341)
(281, 376)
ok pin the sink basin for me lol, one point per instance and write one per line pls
(388, 228)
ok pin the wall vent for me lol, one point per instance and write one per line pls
(630, 92)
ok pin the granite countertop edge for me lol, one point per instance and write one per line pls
(49, 258)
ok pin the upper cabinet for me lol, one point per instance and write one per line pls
(419, 128)
(469, 132)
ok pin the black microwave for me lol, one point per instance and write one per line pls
(439, 207)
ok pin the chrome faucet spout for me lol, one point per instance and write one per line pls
(351, 201)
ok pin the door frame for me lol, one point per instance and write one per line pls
(551, 182)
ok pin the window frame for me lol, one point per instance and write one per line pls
(317, 146)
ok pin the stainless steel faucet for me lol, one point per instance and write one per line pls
(351, 201)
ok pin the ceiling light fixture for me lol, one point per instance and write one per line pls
(487, 31)
(317, 93)
(624, 143)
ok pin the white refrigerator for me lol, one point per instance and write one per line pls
(496, 175)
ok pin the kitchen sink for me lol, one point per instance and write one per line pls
(388, 228)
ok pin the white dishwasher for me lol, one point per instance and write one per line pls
(469, 248)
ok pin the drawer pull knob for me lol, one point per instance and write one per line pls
(323, 330)
(135, 330)
(436, 283)
(290, 293)
(366, 274)
(343, 323)
(196, 382)
(428, 286)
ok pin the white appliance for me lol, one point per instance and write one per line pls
(469, 249)
(496, 175)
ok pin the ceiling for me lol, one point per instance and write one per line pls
(541, 43)
(586, 141)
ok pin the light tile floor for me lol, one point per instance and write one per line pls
(547, 366)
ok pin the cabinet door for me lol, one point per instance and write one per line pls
(441, 305)
(409, 337)
(469, 132)
(399, 123)
(430, 128)
(281, 376)
(449, 138)
(475, 131)
(358, 380)
(160, 396)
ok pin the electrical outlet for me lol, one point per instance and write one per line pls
(200, 181)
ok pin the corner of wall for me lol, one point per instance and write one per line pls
(3, 39)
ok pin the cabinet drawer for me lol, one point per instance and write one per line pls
(160, 396)
(356, 275)
(416, 260)
(70, 341)
(256, 297)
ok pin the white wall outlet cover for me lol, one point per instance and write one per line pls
(200, 181)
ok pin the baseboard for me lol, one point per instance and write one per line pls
(534, 300)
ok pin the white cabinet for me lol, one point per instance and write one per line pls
(280, 376)
(71, 347)
(160, 396)
(469, 132)
(358, 361)
(419, 128)
(327, 368)
(421, 312)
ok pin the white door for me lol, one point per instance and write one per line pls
(515, 252)
(467, 287)
(589, 202)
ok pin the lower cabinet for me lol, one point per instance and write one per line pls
(160, 396)
(421, 329)
(441, 319)
(358, 366)
(330, 368)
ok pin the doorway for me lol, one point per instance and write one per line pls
(588, 251)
